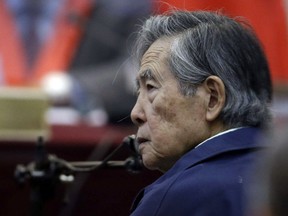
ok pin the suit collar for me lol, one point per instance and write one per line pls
(240, 139)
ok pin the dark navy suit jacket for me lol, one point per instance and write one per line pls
(209, 180)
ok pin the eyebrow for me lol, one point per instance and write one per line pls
(144, 76)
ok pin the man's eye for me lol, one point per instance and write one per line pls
(150, 87)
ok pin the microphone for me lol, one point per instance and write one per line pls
(130, 141)
(134, 163)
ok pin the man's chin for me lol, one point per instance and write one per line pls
(149, 163)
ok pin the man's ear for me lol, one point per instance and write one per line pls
(216, 90)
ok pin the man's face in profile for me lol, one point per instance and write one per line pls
(169, 123)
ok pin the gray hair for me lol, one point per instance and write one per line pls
(208, 43)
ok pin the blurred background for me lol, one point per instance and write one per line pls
(66, 74)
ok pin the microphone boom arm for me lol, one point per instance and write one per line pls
(47, 170)
(52, 165)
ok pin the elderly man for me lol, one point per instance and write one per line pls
(203, 101)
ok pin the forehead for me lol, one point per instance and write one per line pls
(158, 51)
(154, 64)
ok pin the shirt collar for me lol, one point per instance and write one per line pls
(219, 134)
(231, 140)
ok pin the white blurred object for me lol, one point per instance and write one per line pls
(62, 116)
(61, 89)
(57, 85)
(97, 117)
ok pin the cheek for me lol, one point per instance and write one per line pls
(165, 109)
(165, 121)
(176, 118)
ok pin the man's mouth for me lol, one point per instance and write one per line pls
(140, 143)
(141, 140)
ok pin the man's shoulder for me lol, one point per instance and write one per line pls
(214, 183)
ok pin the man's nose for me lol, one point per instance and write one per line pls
(137, 114)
